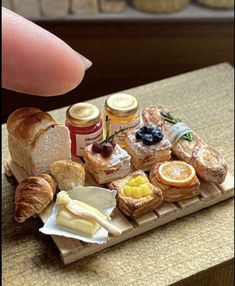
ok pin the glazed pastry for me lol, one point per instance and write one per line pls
(147, 146)
(106, 160)
(33, 195)
(107, 169)
(187, 146)
(176, 179)
(136, 196)
(68, 174)
(68, 219)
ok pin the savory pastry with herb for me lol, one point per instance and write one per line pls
(187, 146)
(33, 195)
(35, 140)
(147, 146)
(176, 179)
(68, 174)
(136, 196)
(107, 161)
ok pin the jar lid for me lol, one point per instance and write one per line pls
(121, 104)
(83, 114)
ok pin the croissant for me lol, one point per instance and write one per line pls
(33, 195)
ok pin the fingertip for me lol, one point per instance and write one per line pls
(37, 62)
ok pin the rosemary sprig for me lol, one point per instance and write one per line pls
(169, 117)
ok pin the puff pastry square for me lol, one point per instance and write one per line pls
(144, 156)
(133, 207)
(172, 193)
(105, 170)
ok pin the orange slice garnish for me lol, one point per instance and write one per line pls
(176, 173)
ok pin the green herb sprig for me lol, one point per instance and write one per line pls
(110, 137)
(169, 117)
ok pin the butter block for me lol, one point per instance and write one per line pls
(86, 226)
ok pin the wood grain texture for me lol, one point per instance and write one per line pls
(164, 256)
(72, 250)
(131, 53)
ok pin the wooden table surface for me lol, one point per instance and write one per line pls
(195, 250)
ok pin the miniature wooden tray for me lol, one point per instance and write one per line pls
(72, 249)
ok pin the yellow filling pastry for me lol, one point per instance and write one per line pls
(137, 188)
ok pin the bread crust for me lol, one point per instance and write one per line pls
(209, 164)
(68, 174)
(33, 195)
(25, 123)
(35, 140)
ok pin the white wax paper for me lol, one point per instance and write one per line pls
(99, 198)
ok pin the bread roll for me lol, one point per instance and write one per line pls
(35, 140)
(33, 195)
(68, 174)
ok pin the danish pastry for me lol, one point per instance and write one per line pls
(176, 179)
(186, 144)
(136, 196)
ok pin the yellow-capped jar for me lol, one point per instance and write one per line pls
(123, 112)
(85, 125)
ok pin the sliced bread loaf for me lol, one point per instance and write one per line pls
(35, 140)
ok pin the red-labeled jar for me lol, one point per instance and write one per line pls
(85, 126)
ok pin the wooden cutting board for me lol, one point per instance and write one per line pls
(72, 250)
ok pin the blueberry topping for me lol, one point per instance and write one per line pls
(157, 129)
(157, 136)
(148, 129)
(139, 135)
(147, 139)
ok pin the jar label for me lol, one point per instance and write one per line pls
(116, 126)
(83, 140)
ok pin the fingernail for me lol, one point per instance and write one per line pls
(87, 63)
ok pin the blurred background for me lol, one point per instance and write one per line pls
(130, 42)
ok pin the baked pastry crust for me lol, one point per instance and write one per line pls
(132, 207)
(68, 174)
(33, 195)
(105, 170)
(172, 193)
(143, 156)
(209, 164)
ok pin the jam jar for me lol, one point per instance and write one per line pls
(123, 112)
(85, 125)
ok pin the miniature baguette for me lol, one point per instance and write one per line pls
(208, 163)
